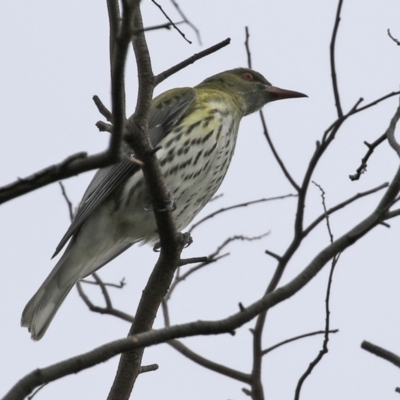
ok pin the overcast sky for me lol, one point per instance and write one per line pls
(54, 58)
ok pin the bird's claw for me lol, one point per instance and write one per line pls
(170, 205)
(157, 247)
(185, 239)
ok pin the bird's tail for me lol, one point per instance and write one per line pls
(77, 262)
(42, 307)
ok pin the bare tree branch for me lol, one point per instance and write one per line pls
(186, 20)
(103, 110)
(108, 310)
(342, 205)
(69, 203)
(148, 368)
(389, 134)
(393, 38)
(164, 75)
(326, 215)
(213, 257)
(25, 386)
(324, 349)
(171, 245)
(247, 46)
(295, 338)
(71, 166)
(332, 60)
(211, 365)
(246, 204)
(390, 131)
(363, 166)
(381, 352)
(171, 22)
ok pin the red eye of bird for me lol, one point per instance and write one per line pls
(247, 76)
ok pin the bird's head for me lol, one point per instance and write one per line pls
(252, 88)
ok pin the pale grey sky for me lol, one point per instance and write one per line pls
(55, 58)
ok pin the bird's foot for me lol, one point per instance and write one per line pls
(185, 241)
(170, 205)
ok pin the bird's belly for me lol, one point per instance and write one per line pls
(193, 166)
(193, 186)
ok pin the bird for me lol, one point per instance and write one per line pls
(195, 130)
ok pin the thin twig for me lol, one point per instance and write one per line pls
(215, 256)
(332, 60)
(167, 25)
(148, 368)
(171, 22)
(293, 339)
(273, 255)
(36, 391)
(104, 290)
(179, 278)
(193, 260)
(211, 365)
(104, 127)
(326, 215)
(69, 203)
(324, 349)
(103, 310)
(218, 196)
(119, 285)
(247, 46)
(275, 153)
(393, 38)
(363, 166)
(103, 110)
(342, 205)
(246, 204)
(185, 19)
(167, 73)
(375, 102)
(389, 134)
(390, 131)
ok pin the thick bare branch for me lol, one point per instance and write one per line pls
(25, 386)
(71, 166)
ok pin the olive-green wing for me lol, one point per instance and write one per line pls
(165, 112)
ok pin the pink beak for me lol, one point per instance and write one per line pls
(280, 94)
